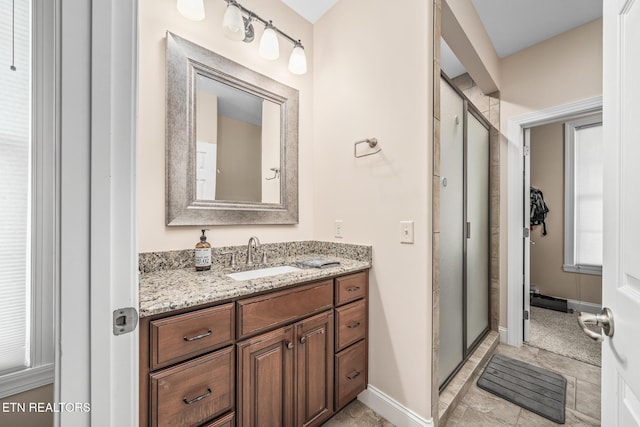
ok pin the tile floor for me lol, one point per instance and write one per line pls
(357, 414)
(481, 408)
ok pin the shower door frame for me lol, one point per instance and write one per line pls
(469, 108)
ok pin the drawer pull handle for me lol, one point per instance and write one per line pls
(353, 376)
(197, 399)
(198, 337)
(353, 288)
(353, 325)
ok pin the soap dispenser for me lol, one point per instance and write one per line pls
(203, 254)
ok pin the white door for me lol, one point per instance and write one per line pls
(526, 242)
(206, 155)
(621, 265)
(98, 246)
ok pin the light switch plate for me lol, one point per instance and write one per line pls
(338, 225)
(406, 231)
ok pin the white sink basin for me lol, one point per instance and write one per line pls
(263, 272)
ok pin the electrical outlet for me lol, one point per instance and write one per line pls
(406, 232)
(338, 228)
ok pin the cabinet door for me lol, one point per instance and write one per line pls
(265, 379)
(314, 376)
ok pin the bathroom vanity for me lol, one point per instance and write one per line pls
(287, 350)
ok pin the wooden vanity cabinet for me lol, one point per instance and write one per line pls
(265, 379)
(287, 358)
(286, 376)
(351, 358)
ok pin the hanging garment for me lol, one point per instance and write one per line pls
(539, 209)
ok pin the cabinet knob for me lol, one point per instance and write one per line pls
(289, 345)
(303, 339)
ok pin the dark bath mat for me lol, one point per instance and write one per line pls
(533, 388)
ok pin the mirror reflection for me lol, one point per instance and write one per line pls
(237, 144)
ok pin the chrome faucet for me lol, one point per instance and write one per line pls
(254, 243)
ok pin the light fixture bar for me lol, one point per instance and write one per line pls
(253, 15)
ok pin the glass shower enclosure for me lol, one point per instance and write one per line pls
(464, 229)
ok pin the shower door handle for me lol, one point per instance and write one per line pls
(603, 320)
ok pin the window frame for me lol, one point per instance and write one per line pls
(570, 129)
(44, 206)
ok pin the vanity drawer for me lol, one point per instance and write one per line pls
(351, 323)
(228, 420)
(195, 391)
(178, 338)
(271, 310)
(350, 373)
(351, 287)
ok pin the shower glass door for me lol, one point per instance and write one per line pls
(477, 262)
(451, 230)
(464, 230)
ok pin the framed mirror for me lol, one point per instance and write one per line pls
(232, 142)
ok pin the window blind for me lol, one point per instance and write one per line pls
(588, 195)
(15, 192)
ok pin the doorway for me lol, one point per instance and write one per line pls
(564, 172)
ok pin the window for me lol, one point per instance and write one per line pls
(583, 195)
(27, 199)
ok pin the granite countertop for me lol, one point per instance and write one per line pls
(173, 289)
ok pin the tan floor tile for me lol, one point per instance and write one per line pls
(357, 414)
(588, 399)
(571, 392)
(456, 416)
(476, 418)
(566, 366)
(524, 353)
(490, 404)
(572, 419)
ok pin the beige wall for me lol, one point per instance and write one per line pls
(42, 394)
(563, 69)
(158, 16)
(374, 80)
(547, 255)
(239, 160)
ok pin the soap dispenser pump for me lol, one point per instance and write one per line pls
(203, 254)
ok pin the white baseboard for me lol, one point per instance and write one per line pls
(589, 307)
(503, 334)
(393, 411)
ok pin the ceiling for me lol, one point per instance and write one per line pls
(514, 25)
(311, 10)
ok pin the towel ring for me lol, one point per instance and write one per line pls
(373, 142)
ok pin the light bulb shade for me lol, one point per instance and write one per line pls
(269, 47)
(191, 9)
(232, 23)
(298, 60)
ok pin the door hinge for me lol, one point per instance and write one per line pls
(525, 151)
(125, 320)
(525, 232)
(525, 314)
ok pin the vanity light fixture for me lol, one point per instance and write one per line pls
(233, 23)
(192, 9)
(269, 47)
(237, 25)
(298, 60)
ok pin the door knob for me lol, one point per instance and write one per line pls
(604, 319)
